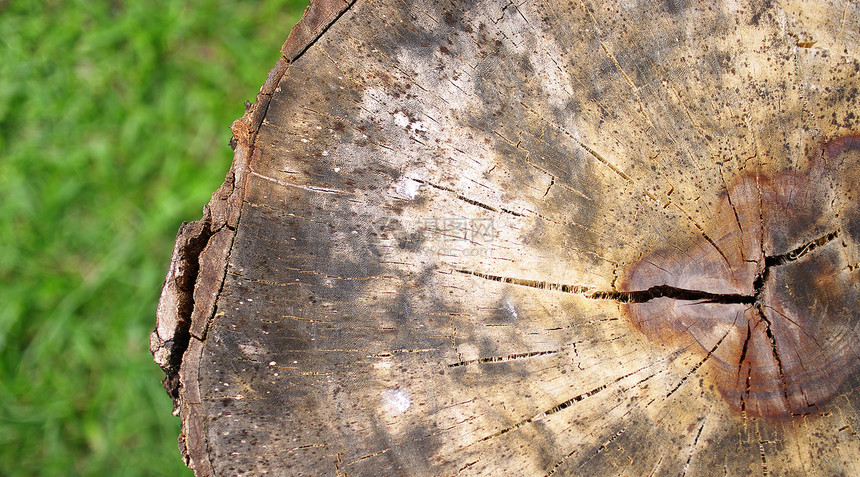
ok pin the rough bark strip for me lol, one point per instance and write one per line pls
(316, 19)
(192, 442)
(170, 337)
(186, 303)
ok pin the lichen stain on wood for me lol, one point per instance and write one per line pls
(436, 237)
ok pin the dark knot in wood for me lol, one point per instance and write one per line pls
(769, 299)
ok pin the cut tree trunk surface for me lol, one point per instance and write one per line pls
(499, 238)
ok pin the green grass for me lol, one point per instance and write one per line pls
(114, 128)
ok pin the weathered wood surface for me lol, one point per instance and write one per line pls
(498, 238)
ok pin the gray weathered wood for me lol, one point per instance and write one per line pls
(498, 238)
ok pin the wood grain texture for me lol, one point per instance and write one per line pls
(537, 238)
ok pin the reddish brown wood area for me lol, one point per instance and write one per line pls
(532, 238)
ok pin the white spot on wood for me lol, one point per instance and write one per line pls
(251, 350)
(396, 401)
(408, 188)
(468, 351)
(401, 119)
(419, 126)
(510, 309)
(382, 365)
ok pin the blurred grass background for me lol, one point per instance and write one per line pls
(114, 128)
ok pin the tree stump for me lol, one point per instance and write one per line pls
(537, 238)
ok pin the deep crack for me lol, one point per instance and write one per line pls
(744, 349)
(797, 253)
(187, 267)
(790, 256)
(774, 346)
(668, 291)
